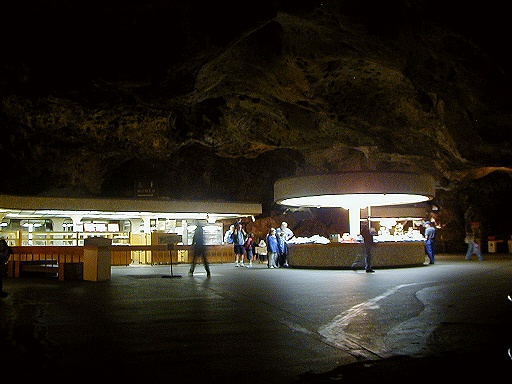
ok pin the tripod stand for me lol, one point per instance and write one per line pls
(170, 247)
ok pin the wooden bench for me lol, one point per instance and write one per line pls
(71, 271)
(46, 267)
(65, 261)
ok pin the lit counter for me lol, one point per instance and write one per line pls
(342, 255)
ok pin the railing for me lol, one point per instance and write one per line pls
(163, 254)
(149, 254)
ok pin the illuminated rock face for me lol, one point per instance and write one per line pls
(219, 101)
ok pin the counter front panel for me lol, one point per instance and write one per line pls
(342, 255)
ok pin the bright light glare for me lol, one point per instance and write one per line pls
(359, 200)
(119, 215)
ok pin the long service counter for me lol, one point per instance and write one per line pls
(342, 255)
(73, 261)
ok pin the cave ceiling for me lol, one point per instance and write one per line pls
(219, 99)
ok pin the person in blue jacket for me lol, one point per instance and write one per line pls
(272, 248)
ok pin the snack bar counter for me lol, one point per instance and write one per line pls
(336, 255)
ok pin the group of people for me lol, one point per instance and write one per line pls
(243, 246)
(243, 243)
(276, 242)
(277, 246)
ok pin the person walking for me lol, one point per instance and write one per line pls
(272, 248)
(430, 234)
(473, 247)
(199, 250)
(239, 237)
(5, 253)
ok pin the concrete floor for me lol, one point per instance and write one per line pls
(263, 326)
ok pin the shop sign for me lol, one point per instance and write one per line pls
(145, 189)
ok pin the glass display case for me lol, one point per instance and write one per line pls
(212, 234)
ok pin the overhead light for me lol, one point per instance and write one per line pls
(354, 190)
(354, 200)
(33, 225)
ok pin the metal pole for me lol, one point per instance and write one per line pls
(170, 247)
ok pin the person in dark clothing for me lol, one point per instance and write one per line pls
(239, 237)
(199, 250)
(282, 254)
(368, 244)
(5, 253)
(430, 234)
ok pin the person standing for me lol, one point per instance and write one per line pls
(239, 237)
(5, 253)
(287, 234)
(261, 251)
(272, 248)
(199, 250)
(281, 244)
(227, 235)
(249, 248)
(368, 245)
(430, 234)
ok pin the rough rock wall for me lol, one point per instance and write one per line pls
(219, 99)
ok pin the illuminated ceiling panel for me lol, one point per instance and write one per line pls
(24, 207)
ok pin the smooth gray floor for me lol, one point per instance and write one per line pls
(258, 325)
